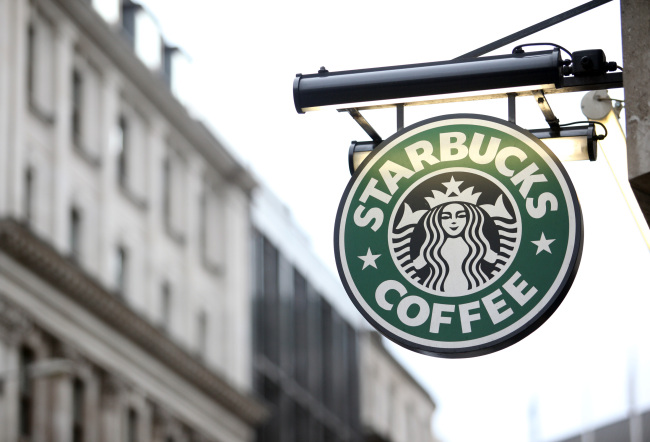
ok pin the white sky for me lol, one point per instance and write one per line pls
(574, 369)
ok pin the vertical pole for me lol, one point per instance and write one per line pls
(400, 116)
(512, 117)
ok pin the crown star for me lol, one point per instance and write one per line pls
(453, 186)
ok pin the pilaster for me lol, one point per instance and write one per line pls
(17, 104)
(62, 136)
(112, 392)
(108, 179)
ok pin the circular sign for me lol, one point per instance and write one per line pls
(458, 236)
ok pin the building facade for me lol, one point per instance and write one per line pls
(325, 376)
(394, 407)
(124, 239)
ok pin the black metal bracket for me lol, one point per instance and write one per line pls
(367, 128)
(551, 119)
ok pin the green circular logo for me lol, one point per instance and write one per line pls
(458, 236)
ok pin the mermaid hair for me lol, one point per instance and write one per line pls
(435, 238)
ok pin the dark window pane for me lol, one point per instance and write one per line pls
(166, 306)
(271, 301)
(75, 233)
(122, 149)
(31, 66)
(77, 91)
(132, 426)
(121, 270)
(315, 345)
(202, 333)
(27, 358)
(29, 195)
(78, 405)
(328, 355)
(301, 312)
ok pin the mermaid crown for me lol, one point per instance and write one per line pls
(453, 195)
(466, 196)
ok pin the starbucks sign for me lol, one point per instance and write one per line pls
(458, 236)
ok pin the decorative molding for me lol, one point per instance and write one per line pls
(19, 243)
(14, 323)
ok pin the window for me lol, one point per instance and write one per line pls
(166, 306)
(130, 146)
(78, 405)
(174, 185)
(26, 392)
(121, 270)
(40, 64)
(29, 196)
(77, 106)
(202, 333)
(132, 426)
(31, 62)
(122, 150)
(85, 97)
(75, 234)
(212, 236)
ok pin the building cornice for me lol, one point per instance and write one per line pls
(19, 243)
(116, 48)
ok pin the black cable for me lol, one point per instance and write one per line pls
(519, 49)
(600, 137)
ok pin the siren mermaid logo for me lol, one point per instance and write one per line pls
(460, 240)
(458, 236)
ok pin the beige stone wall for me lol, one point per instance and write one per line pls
(635, 29)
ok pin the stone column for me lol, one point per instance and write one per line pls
(92, 410)
(13, 327)
(62, 407)
(635, 28)
(111, 410)
(42, 407)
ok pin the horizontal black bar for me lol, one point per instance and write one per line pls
(419, 80)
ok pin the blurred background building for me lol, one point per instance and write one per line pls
(635, 428)
(132, 304)
(324, 374)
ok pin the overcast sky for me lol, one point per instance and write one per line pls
(572, 372)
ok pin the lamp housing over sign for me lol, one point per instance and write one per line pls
(579, 143)
(421, 82)
(359, 151)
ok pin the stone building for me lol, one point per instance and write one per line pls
(325, 376)
(134, 305)
(124, 239)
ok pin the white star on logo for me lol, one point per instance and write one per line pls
(543, 244)
(453, 186)
(369, 259)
